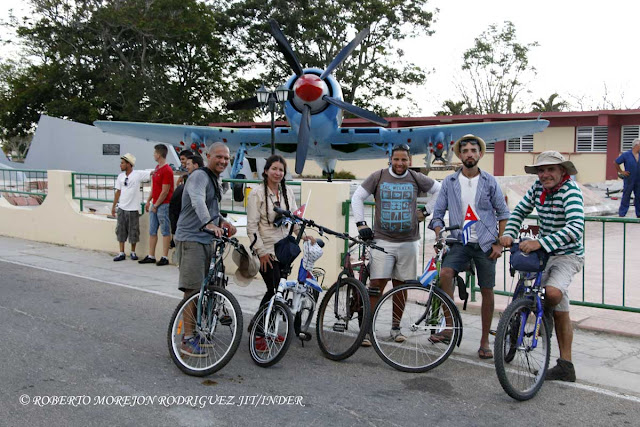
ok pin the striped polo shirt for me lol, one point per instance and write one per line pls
(561, 218)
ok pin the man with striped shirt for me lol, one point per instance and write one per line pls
(560, 206)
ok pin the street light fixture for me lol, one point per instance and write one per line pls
(269, 99)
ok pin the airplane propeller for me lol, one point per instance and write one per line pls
(311, 92)
(303, 138)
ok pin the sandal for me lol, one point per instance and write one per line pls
(440, 338)
(485, 353)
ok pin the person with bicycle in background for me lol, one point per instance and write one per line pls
(262, 228)
(560, 206)
(475, 202)
(395, 190)
(200, 205)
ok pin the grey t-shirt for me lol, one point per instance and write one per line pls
(199, 205)
(396, 202)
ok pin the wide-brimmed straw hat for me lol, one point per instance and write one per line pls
(248, 265)
(551, 158)
(470, 137)
(129, 158)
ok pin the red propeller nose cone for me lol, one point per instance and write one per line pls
(309, 87)
(439, 146)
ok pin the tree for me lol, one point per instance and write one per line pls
(545, 105)
(453, 108)
(495, 68)
(318, 29)
(141, 60)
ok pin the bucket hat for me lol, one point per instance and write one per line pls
(551, 158)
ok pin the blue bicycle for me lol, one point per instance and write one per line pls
(523, 340)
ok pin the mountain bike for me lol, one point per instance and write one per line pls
(214, 317)
(523, 340)
(344, 316)
(427, 316)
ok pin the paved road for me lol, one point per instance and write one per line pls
(67, 336)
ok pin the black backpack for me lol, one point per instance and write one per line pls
(175, 204)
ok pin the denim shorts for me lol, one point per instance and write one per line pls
(460, 255)
(160, 219)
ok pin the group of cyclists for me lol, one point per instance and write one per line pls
(472, 198)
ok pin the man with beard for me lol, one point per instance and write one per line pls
(395, 190)
(475, 202)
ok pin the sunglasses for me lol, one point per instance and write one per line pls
(126, 181)
(400, 147)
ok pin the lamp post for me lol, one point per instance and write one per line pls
(269, 99)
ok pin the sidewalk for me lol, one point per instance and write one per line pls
(609, 358)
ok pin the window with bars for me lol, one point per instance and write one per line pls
(591, 139)
(491, 147)
(629, 133)
(521, 144)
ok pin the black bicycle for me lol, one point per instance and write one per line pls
(206, 326)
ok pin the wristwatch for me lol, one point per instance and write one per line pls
(359, 223)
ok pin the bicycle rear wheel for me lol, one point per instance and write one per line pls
(429, 321)
(521, 368)
(343, 319)
(268, 344)
(217, 338)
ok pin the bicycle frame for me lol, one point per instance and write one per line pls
(535, 292)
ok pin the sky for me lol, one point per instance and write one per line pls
(583, 46)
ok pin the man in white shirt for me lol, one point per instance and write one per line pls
(127, 202)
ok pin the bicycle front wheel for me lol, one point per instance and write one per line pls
(203, 349)
(343, 319)
(520, 365)
(270, 338)
(429, 326)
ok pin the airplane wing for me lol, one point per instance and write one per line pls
(285, 139)
(356, 142)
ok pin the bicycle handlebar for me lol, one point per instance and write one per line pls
(324, 230)
(230, 240)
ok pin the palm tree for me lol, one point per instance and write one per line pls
(452, 108)
(542, 105)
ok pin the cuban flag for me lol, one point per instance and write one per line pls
(429, 273)
(300, 211)
(470, 218)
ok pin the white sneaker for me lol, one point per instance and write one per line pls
(397, 336)
(366, 342)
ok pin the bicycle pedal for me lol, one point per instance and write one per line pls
(492, 332)
(339, 327)
(226, 320)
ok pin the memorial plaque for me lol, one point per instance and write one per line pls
(110, 149)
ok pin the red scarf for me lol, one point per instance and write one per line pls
(543, 196)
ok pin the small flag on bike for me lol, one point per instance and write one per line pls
(470, 219)
(300, 211)
(429, 273)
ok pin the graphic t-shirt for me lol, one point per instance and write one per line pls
(162, 175)
(396, 203)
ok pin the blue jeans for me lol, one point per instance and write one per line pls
(160, 219)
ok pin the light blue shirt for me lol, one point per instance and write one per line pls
(490, 208)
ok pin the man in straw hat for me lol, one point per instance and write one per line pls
(560, 206)
(475, 202)
(126, 205)
(631, 175)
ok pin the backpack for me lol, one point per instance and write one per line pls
(175, 204)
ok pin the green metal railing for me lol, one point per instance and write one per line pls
(95, 187)
(24, 182)
(590, 275)
(600, 276)
(100, 188)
